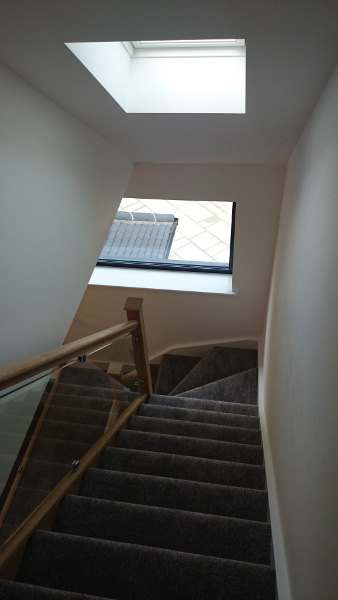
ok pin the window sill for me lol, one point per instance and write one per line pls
(208, 283)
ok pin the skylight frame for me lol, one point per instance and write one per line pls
(192, 80)
(185, 48)
(188, 43)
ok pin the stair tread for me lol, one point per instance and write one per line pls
(84, 390)
(173, 444)
(77, 415)
(193, 496)
(208, 431)
(183, 467)
(66, 431)
(204, 404)
(88, 374)
(241, 387)
(87, 402)
(218, 363)
(173, 529)
(196, 577)
(201, 416)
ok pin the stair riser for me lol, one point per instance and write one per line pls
(183, 467)
(182, 531)
(200, 416)
(156, 442)
(199, 403)
(85, 565)
(176, 494)
(196, 430)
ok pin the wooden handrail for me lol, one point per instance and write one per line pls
(23, 369)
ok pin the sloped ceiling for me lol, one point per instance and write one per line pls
(292, 47)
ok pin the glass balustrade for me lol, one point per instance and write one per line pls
(47, 424)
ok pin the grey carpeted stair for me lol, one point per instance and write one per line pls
(174, 444)
(197, 533)
(173, 369)
(217, 364)
(177, 508)
(202, 404)
(162, 411)
(183, 467)
(116, 569)
(194, 429)
(180, 494)
(242, 387)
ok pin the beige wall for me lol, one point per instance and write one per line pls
(60, 187)
(179, 319)
(300, 406)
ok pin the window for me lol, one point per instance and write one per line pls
(176, 235)
(169, 76)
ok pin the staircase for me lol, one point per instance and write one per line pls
(177, 508)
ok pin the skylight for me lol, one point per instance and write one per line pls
(169, 76)
(187, 43)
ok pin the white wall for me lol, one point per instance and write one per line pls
(301, 359)
(61, 185)
(179, 319)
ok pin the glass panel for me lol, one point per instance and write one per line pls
(48, 423)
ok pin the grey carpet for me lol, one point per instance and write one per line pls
(175, 444)
(174, 493)
(242, 387)
(183, 467)
(208, 431)
(201, 404)
(177, 508)
(217, 364)
(186, 531)
(173, 369)
(125, 571)
(198, 415)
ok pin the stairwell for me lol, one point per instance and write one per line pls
(177, 508)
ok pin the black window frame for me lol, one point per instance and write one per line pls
(175, 265)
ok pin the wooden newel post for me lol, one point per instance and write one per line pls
(133, 308)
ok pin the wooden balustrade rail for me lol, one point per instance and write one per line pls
(26, 368)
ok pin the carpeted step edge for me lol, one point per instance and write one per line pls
(190, 446)
(85, 565)
(166, 492)
(201, 416)
(171, 529)
(207, 431)
(177, 466)
(204, 404)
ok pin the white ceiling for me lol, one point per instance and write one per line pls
(292, 47)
